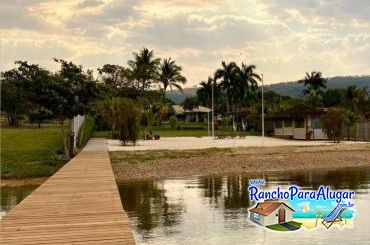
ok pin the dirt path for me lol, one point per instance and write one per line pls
(158, 164)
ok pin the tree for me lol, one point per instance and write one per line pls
(116, 80)
(351, 118)
(333, 122)
(71, 92)
(13, 100)
(36, 81)
(334, 97)
(314, 86)
(355, 98)
(109, 108)
(249, 83)
(230, 76)
(147, 121)
(143, 69)
(190, 103)
(169, 75)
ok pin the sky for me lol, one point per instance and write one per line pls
(283, 38)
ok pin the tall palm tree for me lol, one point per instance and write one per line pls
(249, 81)
(143, 68)
(204, 93)
(314, 86)
(169, 75)
(230, 76)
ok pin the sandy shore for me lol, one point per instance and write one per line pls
(159, 164)
(191, 143)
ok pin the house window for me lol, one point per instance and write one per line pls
(256, 216)
(287, 123)
(278, 124)
(316, 122)
(299, 123)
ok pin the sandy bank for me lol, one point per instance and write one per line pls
(159, 164)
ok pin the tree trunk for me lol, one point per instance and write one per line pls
(65, 146)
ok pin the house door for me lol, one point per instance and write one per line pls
(281, 215)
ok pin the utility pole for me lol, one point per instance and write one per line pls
(213, 113)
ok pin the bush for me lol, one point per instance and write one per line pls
(173, 122)
(225, 123)
(333, 123)
(128, 119)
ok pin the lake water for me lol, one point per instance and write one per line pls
(214, 210)
(11, 196)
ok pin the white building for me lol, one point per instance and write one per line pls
(271, 213)
(197, 114)
(304, 125)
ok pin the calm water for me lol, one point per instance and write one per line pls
(11, 196)
(213, 210)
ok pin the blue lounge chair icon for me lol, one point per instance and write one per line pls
(334, 216)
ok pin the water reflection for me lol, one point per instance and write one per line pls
(151, 207)
(213, 210)
(11, 196)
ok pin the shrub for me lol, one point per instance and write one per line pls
(173, 122)
(128, 117)
(225, 123)
(333, 123)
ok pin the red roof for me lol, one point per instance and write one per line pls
(266, 208)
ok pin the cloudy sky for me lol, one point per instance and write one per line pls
(284, 38)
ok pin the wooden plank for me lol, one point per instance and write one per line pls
(80, 204)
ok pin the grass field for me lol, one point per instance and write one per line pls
(186, 129)
(30, 152)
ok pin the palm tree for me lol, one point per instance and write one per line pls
(204, 93)
(169, 75)
(230, 76)
(314, 85)
(249, 81)
(143, 68)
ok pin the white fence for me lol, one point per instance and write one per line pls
(76, 125)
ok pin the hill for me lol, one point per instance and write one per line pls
(293, 89)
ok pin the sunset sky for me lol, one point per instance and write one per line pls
(284, 38)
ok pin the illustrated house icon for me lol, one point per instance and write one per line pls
(271, 213)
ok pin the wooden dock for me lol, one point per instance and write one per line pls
(80, 204)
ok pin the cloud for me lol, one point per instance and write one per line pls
(284, 38)
(16, 15)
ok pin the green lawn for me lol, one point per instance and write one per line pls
(29, 152)
(186, 129)
(279, 227)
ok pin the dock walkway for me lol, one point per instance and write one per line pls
(80, 204)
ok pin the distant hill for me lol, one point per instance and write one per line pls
(293, 89)
(178, 97)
